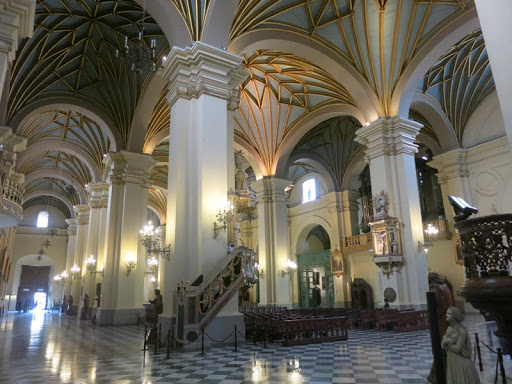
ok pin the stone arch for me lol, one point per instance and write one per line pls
(304, 126)
(47, 192)
(426, 57)
(319, 165)
(68, 104)
(62, 146)
(218, 22)
(300, 233)
(344, 73)
(143, 114)
(354, 169)
(431, 110)
(57, 174)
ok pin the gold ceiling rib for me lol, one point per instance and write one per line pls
(460, 80)
(72, 56)
(158, 175)
(161, 117)
(279, 92)
(158, 200)
(194, 14)
(377, 38)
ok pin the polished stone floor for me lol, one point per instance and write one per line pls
(43, 347)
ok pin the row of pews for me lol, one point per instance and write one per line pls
(316, 325)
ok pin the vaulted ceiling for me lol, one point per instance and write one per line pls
(341, 60)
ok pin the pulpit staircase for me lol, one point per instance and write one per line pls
(198, 305)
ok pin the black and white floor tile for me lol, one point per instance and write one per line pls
(52, 348)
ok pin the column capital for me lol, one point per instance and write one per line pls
(82, 214)
(451, 165)
(128, 167)
(97, 193)
(203, 70)
(349, 198)
(269, 189)
(72, 226)
(391, 136)
(16, 23)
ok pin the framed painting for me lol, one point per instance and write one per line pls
(337, 263)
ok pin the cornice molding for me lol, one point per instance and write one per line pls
(16, 23)
(203, 70)
(388, 137)
(271, 189)
(129, 167)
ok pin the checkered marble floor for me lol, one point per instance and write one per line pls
(52, 348)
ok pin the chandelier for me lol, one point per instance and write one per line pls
(151, 239)
(137, 53)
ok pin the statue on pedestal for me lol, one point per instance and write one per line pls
(459, 368)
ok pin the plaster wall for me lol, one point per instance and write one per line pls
(56, 217)
(27, 242)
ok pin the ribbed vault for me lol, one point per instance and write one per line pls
(377, 39)
(280, 91)
(460, 80)
(72, 55)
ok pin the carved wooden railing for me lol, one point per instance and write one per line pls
(357, 243)
(198, 306)
(487, 248)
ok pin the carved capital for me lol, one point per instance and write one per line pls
(271, 189)
(387, 137)
(72, 226)
(16, 23)
(128, 167)
(82, 214)
(203, 70)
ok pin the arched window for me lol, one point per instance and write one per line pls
(42, 219)
(308, 191)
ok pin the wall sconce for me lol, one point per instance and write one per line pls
(61, 279)
(151, 238)
(291, 267)
(259, 270)
(75, 272)
(90, 264)
(130, 262)
(153, 267)
(430, 234)
(222, 219)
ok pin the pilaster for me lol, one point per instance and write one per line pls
(82, 216)
(274, 240)
(122, 293)
(453, 177)
(70, 254)
(350, 208)
(390, 149)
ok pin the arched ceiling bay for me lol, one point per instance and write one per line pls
(159, 124)
(48, 184)
(280, 91)
(378, 39)
(158, 203)
(72, 55)
(460, 80)
(297, 170)
(46, 201)
(332, 142)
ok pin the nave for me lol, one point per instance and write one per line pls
(41, 347)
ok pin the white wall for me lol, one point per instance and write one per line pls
(27, 242)
(56, 217)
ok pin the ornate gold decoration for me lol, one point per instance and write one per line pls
(398, 31)
(280, 91)
(337, 262)
(193, 13)
(381, 205)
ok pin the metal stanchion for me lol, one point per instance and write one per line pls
(168, 342)
(160, 334)
(265, 336)
(236, 341)
(502, 368)
(202, 341)
(478, 353)
(145, 337)
(435, 339)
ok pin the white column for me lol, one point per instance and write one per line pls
(495, 22)
(82, 215)
(122, 294)
(203, 86)
(453, 177)
(70, 255)
(390, 148)
(274, 240)
(16, 23)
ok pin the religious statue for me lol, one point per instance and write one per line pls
(459, 368)
(240, 176)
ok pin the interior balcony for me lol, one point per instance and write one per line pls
(11, 211)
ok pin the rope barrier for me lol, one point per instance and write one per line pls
(499, 360)
(219, 341)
